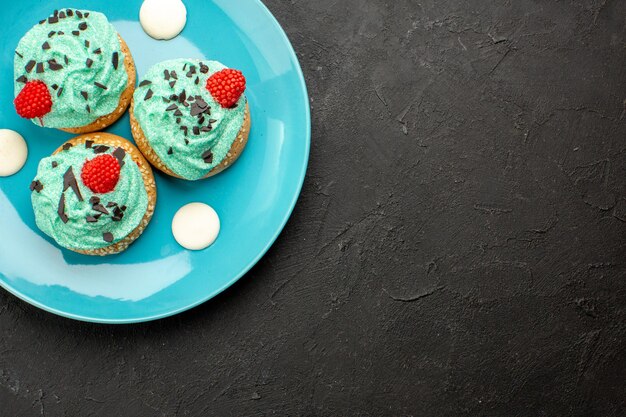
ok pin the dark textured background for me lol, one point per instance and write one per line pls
(458, 248)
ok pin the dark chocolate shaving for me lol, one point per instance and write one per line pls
(75, 33)
(97, 84)
(174, 97)
(66, 59)
(89, 62)
(79, 14)
(182, 97)
(29, 66)
(61, 209)
(67, 146)
(36, 186)
(94, 200)
(196, 109)
(59, 92)
(178, 120)
(118, 214)
(53, 19)
(173, 74)
(70, 12)
(186, 141)
(172, 84)
(185, 67)
(18, 54)
(54, 66)
(85, 95)
(205, 129)
(145, 83)
(111, 204)
(88, 108)
(184, 129)
(148, 95)
(123, 208)
(119, 154)
(86, 43)
(170, 151)
(197, 81)
(97, 51)
(54, 86)
(108, 237)
(61, 33)
(82, 26)
(204, 69)
(166, 75)
(99, 207)
(41, 22)
(100, 149)
(86, 14)
(22, 79)
(39, 69)
(55, 164)
(52, 33)
(196, 130)
(91, 219)
(208, 157)
(62, 15)
(88, 143)
(178, 112)
(45, 46)
(201, 103)
(115, 59)
(69, 181)
(171, 107)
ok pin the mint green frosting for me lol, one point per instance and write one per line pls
(164, 132)
(77, 233)
(69, 106)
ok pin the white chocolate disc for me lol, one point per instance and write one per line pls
(13, 152)
(195, 226)
(163, 19)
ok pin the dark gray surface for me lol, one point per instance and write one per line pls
(458, 248)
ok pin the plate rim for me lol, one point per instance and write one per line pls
(254, 261)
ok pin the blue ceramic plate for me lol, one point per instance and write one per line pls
(155, 277)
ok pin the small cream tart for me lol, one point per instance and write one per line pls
(163, 19)
(196, 226)
(13, 152)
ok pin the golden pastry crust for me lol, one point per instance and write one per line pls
(108, 139)
(235, 150)
(127, 95)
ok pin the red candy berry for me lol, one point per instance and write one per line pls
(34, 100)
(226, 86)
(101, 174)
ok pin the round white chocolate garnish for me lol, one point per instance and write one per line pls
(163, 19)
(13, 152)
(195, 226)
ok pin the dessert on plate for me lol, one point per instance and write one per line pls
(190, 118)
(94, 195)
(73, 72)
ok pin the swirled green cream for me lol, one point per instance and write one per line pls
(74, 216)
(188, 137)
(78, 55)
